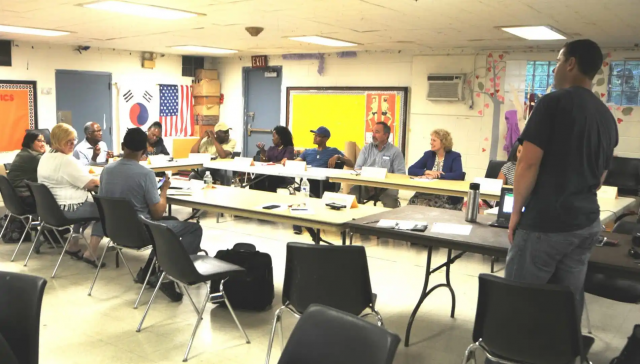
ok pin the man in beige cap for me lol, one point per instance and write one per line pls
(219, 145)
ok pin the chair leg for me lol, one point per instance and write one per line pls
(64, 248)
(95, 278)
(470, 354)
(53, 243)
(231, 310)
(193, 303)
(586, 311)
(195, 327)
(149, 304)
(278, 317)
(5, 223)
(144, 285)
(28, 226)
(119, 252)
(42, 226)
(88, 245)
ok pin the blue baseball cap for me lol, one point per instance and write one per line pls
(322, 131)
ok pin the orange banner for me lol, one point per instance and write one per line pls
(17, 112)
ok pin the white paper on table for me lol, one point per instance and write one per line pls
(387, 224)
(373, 172)
(422, 179)
(306, 211)
(280, 207)
(457, 229)
(179, 192)
(489, 184)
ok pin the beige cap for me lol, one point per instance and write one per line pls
(221, 126)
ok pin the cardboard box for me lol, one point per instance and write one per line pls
(206, 88)
(206, 100)
(206, 119)
(206, 110)
(206, 75)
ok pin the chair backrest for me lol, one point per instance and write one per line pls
(493, 169)
(7, 167)
(625, 227)
(172, 255)
(326, 335)
(335, 276)
(624, 174)
(527, 323)
(10, 198)
(20, 305)
(236, 154)
(120, 222)
(46, 205)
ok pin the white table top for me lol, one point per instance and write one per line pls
(271, 169)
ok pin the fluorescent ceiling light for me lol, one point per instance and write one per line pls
(200, 49)
(315, 39)
(535, 32)
(31, 31)
(148, 11)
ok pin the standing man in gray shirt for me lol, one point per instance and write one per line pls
(380, 154)
(128, 179)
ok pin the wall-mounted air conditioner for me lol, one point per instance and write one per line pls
(445, 87)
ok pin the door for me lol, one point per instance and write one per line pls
(82, 97)
(261, 106)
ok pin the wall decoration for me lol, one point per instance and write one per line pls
(18, 108)
(137, 106)
(380, 107)
(495, 71)
(349, 112)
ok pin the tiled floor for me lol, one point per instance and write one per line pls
(77, 328)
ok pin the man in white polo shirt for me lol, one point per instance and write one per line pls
(92, 150)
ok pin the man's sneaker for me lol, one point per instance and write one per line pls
(169, 290)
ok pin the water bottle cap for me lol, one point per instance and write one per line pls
(474, 186)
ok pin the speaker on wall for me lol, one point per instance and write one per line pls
(5, 53)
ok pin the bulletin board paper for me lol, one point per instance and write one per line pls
(18, 112)
(349, 112)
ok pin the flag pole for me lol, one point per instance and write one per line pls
(116, 127)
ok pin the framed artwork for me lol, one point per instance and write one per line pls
(18, 112)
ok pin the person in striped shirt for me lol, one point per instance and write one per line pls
(508, 171)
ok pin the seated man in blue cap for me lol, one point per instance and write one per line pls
(321, 157)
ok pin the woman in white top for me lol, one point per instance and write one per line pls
(70, 184)
(508, 171)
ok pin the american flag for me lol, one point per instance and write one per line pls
(176, 111)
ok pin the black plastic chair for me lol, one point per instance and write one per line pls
(51, 216)
(121, 225)
(493, 169)
(519, 323)
(189, 270)
(335, 276)
(7, 166)
(325, 335)
(17, 209)
(20, 306)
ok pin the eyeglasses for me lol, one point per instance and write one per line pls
(41, 140)
(71, 142)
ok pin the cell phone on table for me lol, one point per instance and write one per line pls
(161, 181)
(604, 241)
(270, 207)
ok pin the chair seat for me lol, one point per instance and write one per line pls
(83, 220)
(587, 343)
(212, 268)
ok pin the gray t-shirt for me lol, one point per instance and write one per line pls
(390, 157)
(126, 178)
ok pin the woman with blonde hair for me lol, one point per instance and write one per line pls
(70, 183)
(441, 162)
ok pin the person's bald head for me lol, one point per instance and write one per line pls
(93, 132)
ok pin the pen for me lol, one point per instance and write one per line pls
(371, 222)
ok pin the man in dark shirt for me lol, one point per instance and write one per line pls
(567, 149)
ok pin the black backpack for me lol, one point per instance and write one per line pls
(631, 352)
(253, 291)
(13, 230)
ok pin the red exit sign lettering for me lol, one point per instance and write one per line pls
(258, 61)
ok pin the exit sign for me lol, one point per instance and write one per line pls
(258, 61)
